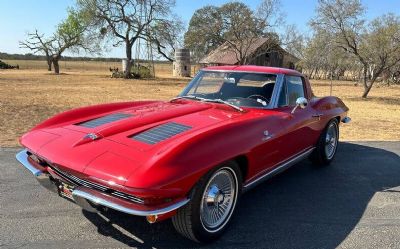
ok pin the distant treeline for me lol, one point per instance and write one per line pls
(29, 56)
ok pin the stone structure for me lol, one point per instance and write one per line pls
(181, 65)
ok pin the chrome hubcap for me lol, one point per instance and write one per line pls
(331, 140)
(219, 199)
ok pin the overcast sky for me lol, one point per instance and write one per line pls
(18, 17)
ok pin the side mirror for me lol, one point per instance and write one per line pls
(300, 102)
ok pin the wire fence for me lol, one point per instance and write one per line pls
(161, 69)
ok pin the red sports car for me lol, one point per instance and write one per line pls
(189, 158)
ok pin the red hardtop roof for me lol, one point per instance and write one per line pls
(258, 69)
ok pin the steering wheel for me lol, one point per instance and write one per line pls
(257, 97)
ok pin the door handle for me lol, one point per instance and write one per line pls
(318, 115)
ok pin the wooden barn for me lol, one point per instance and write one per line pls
(260, 52)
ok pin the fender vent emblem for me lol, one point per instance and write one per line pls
(92, 136)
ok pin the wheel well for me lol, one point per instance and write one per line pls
(243, 165)
(338, 119)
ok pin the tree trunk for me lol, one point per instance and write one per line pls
(127, 73)
(49, 62)
(56, 66)
(366, 91)
(367, 87)
(311, 73)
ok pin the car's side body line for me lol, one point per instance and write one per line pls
(278, 169)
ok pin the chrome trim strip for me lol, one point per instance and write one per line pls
(22, 157)
(346, 120)
(285, 165)
(293, 73)
(276, 91)
(234, 71)
(82, 197)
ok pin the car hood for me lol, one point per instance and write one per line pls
(111, 146)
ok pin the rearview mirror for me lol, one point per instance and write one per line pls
(300, 102)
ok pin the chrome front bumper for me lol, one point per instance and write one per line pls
(90, 199)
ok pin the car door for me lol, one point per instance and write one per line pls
(298, 132)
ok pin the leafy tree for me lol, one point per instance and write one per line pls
(126, 21)
(204, 33)
(71, 34)
(240, 28)
(233, 24)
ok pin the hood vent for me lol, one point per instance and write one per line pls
(161, 133)
(104, 120)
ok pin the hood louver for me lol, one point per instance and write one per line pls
(104, 120)
(161, 133)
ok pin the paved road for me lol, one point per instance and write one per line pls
(354, 203)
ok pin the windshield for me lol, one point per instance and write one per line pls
(236, 88)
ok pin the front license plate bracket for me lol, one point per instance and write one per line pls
(65, 191)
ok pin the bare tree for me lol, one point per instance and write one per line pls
(38, 44)
(320, 57)
(126, 21)
(166, 36)
(382, 47)
(270, 12)
(376, 47)
(294, 41)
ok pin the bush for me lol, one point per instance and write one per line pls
(4, 65)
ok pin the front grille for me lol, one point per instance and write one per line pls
(161, 133)
(128, 197)
(80, 182)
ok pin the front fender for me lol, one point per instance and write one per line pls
(86, 112)
(181, 166)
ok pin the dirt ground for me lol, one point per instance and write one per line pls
(28, 96)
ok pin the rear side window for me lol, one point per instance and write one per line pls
(294, 88)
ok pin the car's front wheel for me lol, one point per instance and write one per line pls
(212, 204)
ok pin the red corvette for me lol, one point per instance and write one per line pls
(189, 158)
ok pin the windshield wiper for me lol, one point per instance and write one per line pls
(208, 100)
(187, 97)
(223, 102)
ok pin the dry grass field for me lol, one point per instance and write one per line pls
(31, 94)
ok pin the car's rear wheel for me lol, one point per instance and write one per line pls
(212, 204)
(327, 144)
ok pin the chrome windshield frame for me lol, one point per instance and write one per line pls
(275, 93)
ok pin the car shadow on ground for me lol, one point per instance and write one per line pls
(304, 207)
